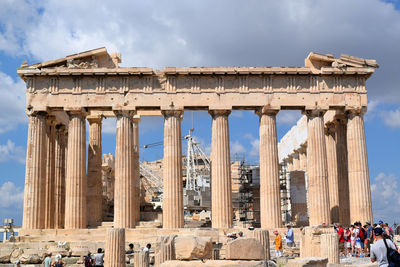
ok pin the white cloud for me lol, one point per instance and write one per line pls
(237, 148)
(11, 196)
(372, 109)
(237, 114)
(391, 118)
(12, 103)
(288, 117)
(109, 126)
(386, 195)
(10, 151)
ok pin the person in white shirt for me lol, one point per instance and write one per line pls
(147, 248)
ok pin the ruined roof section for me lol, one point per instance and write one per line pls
(100, 62)
(328, 61)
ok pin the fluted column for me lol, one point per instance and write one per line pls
(136, 163)
(333, 179)
(270, 196)
(59, 174)
(303, 158)
(317, 193)
(75, 186)
(330, 248)
(296, 161)
(124, 200)
(172, 170)
(343, 175)
(115, 248)
(35, 173)
(359, 185)
(94, 184)
(49, 199)
(221, 184)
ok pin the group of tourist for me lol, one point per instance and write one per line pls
(289, 239)
(374, 241)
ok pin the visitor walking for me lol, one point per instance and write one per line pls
(347, 239)
(47, 261)
(147, 248)
(341, 240)
(380, 248)
(59, 262)
(88, 261)
(289, 236)
(130, 249)
(99, 258)
(278, 244)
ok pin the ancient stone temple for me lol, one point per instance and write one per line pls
(64, 94)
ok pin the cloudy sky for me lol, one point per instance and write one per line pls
(205, 33)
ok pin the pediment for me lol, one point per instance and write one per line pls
(95, 58)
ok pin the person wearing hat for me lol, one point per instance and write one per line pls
(378, 251)
(278, 244)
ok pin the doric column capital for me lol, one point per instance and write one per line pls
(76, 112)
(172, 113)
(124, 113)
(94, 118)
(312, 113)
(267, 110)
(357, 111)
(219, 112)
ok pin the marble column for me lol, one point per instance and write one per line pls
(330, 248)
(35, 172)
(296, 161)
(270, 196)
(303, 158)
(59, 201)
(94, 183)
(317, 170)
(136, 174)
(172, 170)
(124, 199)
(343, 176)
(289, 164)
(359, 185)
(49, 199)
(333, 179)
(115, 248)
(221, 184)
(75, 186)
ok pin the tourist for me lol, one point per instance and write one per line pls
(17, 264)
(278, 244)
(363, 235)
(99, 258)
(347, 239)
(147, 248)
(59, 262)
(289, 236)
(353, 240)
(47, 260)
(241, 234)
(341, 239)
(378, 249)
(130, 250)
(88, 261)
(388, 231)
(358, 237)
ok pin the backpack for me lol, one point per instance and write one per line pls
(392, 255)
(361, 233)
